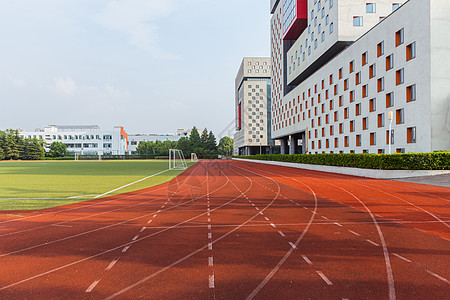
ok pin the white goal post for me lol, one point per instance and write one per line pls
(194, 157)
(176, 160)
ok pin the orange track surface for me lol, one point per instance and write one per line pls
(235, 230)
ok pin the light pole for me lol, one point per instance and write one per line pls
(390, 118)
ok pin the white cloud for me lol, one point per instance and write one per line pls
(17, 82)
(66, 86)
(136, 19)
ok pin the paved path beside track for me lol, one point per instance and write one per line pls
(236, 230)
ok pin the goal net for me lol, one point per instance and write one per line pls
(78, 157)
(194, 157)
(176, 160)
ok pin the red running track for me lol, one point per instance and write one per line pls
(235, 230)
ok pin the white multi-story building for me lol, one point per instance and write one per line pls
(341, 67)
(252, 105)
(135, 139)
(84, 140)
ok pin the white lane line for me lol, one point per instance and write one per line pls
(336, 223)
(209, 226)
(154, 216)
(373, 243)
(209, 235)
(267, 219)
(211, 281)
(282, 234)
(209, 219)
(448, 240)
(307, 260)
(253, 204)
(158, 211)
(292, 245)
(142, 230)
(401, 257)
(99, 196)
(325, 218)
(208, 214)
(136, 237)
(210, 261)
(58, 225)
(209, 246)
(273, 225)
(149, 221)
(438, 277)
(109, 267)
(92, 286)
(324, 278)
(125, 249)
(261, 213)
(305, 208)
(257, 208)
(355, 233)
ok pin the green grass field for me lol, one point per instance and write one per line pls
(27, 185)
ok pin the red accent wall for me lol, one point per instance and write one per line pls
(124, 134)
(240, 117)
(300, 23)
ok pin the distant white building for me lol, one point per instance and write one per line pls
(85, 140)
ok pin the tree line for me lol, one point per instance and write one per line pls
(14, 146)
(204, 145)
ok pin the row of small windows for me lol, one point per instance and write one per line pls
(411, 138)
(257, 63)
(73, 137)
(371, 8)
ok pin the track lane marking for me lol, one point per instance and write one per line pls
(401, 257)
(327, 281)
(111, 265)
(354, 233)
(309, 262)
(372, 242)
(211, 281)
(125, 249)
(438, 277)
(92, 286)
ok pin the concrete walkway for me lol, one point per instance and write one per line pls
(437, 180)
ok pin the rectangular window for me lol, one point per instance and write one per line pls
(380, 84)
(345, 84)
(395, 6)
(399, 116)
(391, 136)
(351, 66)
(411, 93)
(411, 135)
(352, 126)
(336, 143)
(340, 73)
(357, 21)
(399, 37)
(364, 58)
(346, 113)
(358, 109)
(358, 140)
(389, 100)
(373, 139)
(372, 105)
(357, 78)
(341, 128)
(380, 120)
(346, 141)
(372, 71)
(400, 77)
(352, 96)
(341, 101)
(365, 123)
(411, 51)
(389, 62)
(365, 91)
(331, 130)
(380, 49)
(336, 118)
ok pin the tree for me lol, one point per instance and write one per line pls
(2, 154)
(185, 146)
(225, 146)
(58, 149)
(211, 143)
(13, 146)
(33, 150)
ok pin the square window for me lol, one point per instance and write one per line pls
(357, 21)
(371, 8)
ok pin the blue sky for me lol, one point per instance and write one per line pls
(150, 65)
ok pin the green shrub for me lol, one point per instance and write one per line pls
(410, 161)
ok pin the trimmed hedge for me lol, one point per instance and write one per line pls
(59, 158)
(410, 161)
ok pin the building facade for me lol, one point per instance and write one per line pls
(135, 139)
(340, 68)
(84, 140)
(252, 107)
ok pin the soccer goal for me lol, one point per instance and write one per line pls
(194, 157)
(176, 160)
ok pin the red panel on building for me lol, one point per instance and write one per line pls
(300, 22)
(240, 117)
